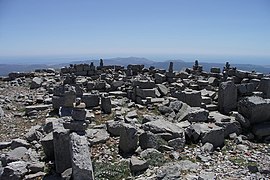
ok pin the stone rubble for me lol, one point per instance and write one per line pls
(102, 122)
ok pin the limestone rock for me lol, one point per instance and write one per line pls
(162, 126)
(137, 165)
(128, 139)
(96, 136)
(36, 83)
(227, 97)
(82, 168)
(255, 108)
(15, 170)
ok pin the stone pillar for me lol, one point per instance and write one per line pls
(106, 105)
(101, 63)
(171, 67)
(82, 168)
(77, 123)
(227, 97)
(61, 145)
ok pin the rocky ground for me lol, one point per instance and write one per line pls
(158, 141)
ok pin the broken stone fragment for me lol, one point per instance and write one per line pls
(82, 168)
(128, 139)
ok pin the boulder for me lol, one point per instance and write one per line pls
(148, 140)
(191, 97)
(114, 127)
(227, 97)
(165, 109)
(177, 143)
(206, 133)
(15, 171)
(36, 83)
(176, 105)
(137, 165)
(19, 143)
(161, 126)
(128, 139)
(229, 124)
(261, 130)
(90, 100)
(96, 136)
(15, 155)
(264, 87)
(255, 109)
(34, 134)
(162, 89)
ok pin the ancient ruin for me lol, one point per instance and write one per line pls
(114, 122)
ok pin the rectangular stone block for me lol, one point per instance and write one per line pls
(255, 108)
(91, 100)
(227, 97)
(264, 87)
(61, 144)
(82, 168)
(144, 84)
(143, 93)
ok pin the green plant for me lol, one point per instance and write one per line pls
(156, 159)
(111, 171)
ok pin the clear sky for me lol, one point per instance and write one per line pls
(213, 30)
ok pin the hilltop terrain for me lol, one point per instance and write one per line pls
(135, 121)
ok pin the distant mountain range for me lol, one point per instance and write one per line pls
(178, 65)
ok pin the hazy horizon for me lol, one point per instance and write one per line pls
(187, 58)
(210, 31)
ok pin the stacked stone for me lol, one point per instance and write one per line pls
(63, 99)
(78, 122)
(142, 90)
(106, 105)
(134, 69)
(80, 69)
(170, 75)
(197, 67)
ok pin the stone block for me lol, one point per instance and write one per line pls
(91, 100)
(106, 105)
(227, 97)
(191, 97)
(255, 108)
(144, 84)
(61, 142)
(143, 93)
(82, 168)
(264, 87)
(48, 146)
(128, 139)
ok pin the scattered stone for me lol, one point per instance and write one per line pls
(80, 158)
(128, 139)
(227, 97)
(137, 165)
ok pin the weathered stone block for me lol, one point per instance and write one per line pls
(255, 108)
(264, 87)
(128, 139)
(82, 168)
(91, 100)
(61, 142)
(227, 97)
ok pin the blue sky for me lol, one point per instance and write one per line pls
(208, 30)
